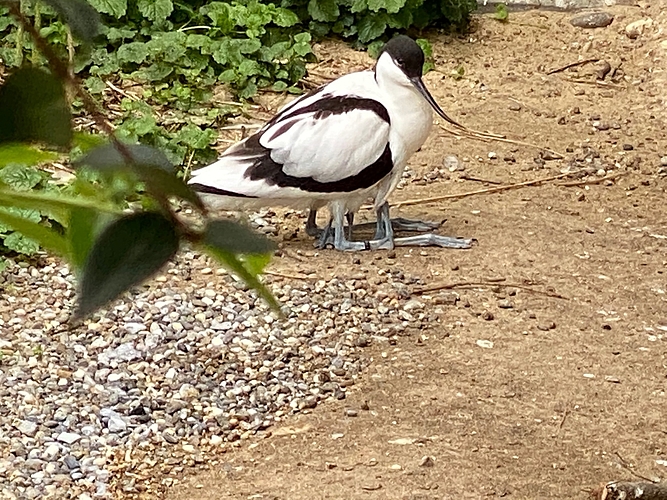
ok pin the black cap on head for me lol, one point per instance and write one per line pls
(406, 54)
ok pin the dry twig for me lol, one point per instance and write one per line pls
(477, 179)
(572, 65)
(494, 282)
(497, 189)
(628, 466)
(488, 136)
(615, 175)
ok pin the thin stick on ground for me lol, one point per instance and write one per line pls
(627, 466)
(497, 189)
(615, 175)
(487, 136)
(278, 274)
(477, 179)
(573, 65)
(473, 284)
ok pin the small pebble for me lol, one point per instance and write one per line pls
(427, 461)
(592, 20)
(546, 325)
(349, 412)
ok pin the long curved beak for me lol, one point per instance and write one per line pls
(419, 85)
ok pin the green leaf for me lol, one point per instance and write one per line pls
(501, 13)
(156, 10)
(21, 177)
(83, 19)
(235, 238)
(44, 236)
(117, 8)
(238, 267)
(285, 18)
(371, 27)
(23, 154)
(134, 52)
(359, 6)
(150, 164)
(20, 244)
(256, 263)
(81, 232)
(33, 108)
(323, 10)
(391, 6)
(127, 252)
(49, 201)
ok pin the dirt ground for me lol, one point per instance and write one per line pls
(563, 390)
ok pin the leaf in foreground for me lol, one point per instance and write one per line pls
(33, 108)
(23, 154)
(236, 238)
(234, 264)
(127, 252)
(150, 164)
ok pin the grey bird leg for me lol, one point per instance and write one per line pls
(399, 224)
(334, 234)
(326, 236)
(311, 224)
(350, 224)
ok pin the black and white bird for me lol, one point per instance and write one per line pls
(336, 146)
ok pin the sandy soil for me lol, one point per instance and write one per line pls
(549, 378)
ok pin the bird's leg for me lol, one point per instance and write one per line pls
(311, 224)
(399, 224)
(384, 236)
(350, 224)
(415, 226)
(325, 236)
(383, 226)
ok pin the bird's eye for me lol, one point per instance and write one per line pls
(400, 61)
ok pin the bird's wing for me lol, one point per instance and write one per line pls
(329, 141)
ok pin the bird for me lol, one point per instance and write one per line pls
(337, 146)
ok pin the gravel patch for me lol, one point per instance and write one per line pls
(177, 370)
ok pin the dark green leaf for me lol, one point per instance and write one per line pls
(232, 237)
(83, 20)
(117, 8)
(33, 108)
(46, 237)
(323, 10)
(391, 6)
(371, 27)
(156, 10)
(150, 164)
(134, 52)
(81, 233)
(23, 154)
(20, 177)
(127, 252)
